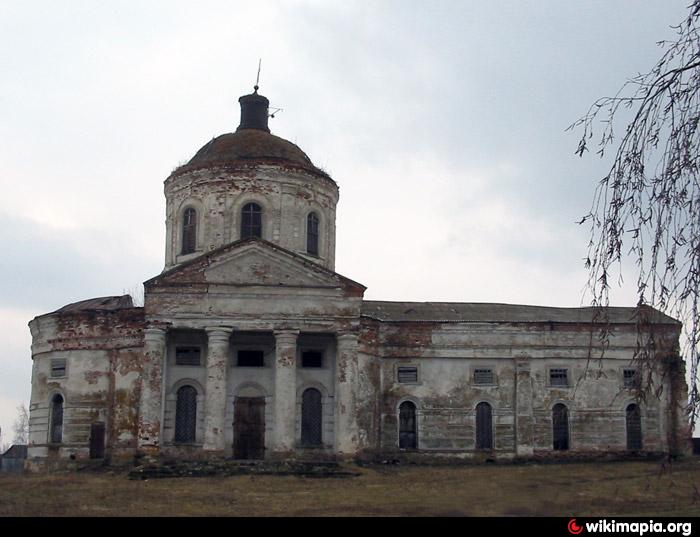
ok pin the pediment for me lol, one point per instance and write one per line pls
(253, 263)
(258, 266)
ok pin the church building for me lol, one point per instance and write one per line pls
(250, 346)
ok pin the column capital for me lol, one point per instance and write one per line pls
(286, 334)
(154, 333)
(218, 332)
(346, 337)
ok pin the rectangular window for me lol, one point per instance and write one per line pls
(558, 377)
(631, 378)
(312, 359)
(408, 375)
(58, 367)
(188, 356)
(251, 359)
(483, 376)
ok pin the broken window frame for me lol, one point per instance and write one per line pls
(483, 376)
(411, 370)
(559, 377)
(59, 367)
(630, 378)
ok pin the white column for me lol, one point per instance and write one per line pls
(346, 382)
(151, 411)
(215, 395)
(285, 389)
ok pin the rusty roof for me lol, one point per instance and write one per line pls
(499, 313)
(105, 303)
(250, 146)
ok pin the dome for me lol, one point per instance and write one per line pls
(248, 146)
(251, 143)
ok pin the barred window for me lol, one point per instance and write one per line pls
(483, 376)
(312, 234)
(311, 418)
(558, 377)
(188, 356)
(251, 359)
(189, 231)
(631, 378)
(58, 367)
(408, 375)
(186, 415)
(312, 359)
(251, 221)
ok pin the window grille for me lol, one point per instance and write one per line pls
(186, 415)
(558, 377)
(483, 376)
(408, 375)
(191, 356)
(311, 418)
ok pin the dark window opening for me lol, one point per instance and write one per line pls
(311, 418)
(312, 359)
(251, 359)
(558, 377)
(312, 234)
(58, 367)
(631, 378)
(634, 427)
(483, 376)
(484, 426)
(188, 356)
(56, 430)
(408, 375)
(560, 427)
(251, 221)
(186, 415)
(408, 437)
(189, 231)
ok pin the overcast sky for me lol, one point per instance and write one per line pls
(443, 122)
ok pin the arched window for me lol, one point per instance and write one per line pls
(251, 221)
(189, 231)
(408, 439)
(634, 427)
(56, 431)
(186, 415)
(311, 418)
(484, 426)
(560, 427)
(312, 234)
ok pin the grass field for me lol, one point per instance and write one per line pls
(576, 489)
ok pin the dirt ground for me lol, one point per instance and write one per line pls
(576, 489)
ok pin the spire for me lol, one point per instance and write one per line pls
(254, 109)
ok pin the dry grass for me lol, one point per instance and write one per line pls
(609, 489)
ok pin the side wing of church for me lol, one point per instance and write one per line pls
(251, 346)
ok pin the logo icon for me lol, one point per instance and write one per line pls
(574, 528)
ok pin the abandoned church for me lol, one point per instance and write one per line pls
(250, 346)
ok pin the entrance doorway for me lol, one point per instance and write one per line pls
(249, 428)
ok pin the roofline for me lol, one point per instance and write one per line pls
(252, 240)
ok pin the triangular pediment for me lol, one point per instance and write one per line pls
(253, 262)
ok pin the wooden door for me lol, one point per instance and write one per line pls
(249, 428)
